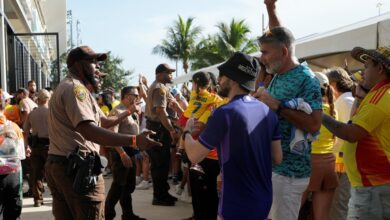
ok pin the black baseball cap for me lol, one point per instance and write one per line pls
(83, 53)
(242, 69)
(163, 68)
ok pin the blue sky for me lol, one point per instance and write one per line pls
(130, 29)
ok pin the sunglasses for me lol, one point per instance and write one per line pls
(135, 95)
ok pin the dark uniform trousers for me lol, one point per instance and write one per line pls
(10, 196)
(39, 151)
(160, 160)
(122, 187)
(204, 190)
(67, 204)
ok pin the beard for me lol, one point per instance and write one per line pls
(223, 91)
(272, 68)
(92, 79)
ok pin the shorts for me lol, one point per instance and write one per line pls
(323, 175)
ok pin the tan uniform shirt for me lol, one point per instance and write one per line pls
(37, 121)
(70, 105)
(27, 105)
(158, 96)
(128, 125)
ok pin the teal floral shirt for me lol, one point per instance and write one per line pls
(299, 82)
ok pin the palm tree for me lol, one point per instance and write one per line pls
(180, 41)
(231, 38)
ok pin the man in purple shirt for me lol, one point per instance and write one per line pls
(246, 134)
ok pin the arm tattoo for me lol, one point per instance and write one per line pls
(335, 127)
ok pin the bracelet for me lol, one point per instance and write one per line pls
(183, 136)
(133, 140)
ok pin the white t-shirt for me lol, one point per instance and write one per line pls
(343, 105)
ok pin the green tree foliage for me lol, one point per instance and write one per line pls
(180, 41)
(117, 77)
(54, 71)
(230, 38)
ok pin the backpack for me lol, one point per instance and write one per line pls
(11, 149)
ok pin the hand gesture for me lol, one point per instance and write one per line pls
(28, 151)
(263, 96)
(135, 107)
(126, 160)
(144, 142)
(270, 3)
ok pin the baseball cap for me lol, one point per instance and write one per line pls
(242, 69)
(162, 68)
(6, 95)
(175, 91)
(381, 55)
(43, 94)
(83, 53)
(324, 81)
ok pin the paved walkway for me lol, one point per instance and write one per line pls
(142, 203)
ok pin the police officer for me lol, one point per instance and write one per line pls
(37, 122)
(123, 161)
(74, 119)
(158, 121)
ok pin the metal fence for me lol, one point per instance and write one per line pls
(32, 56)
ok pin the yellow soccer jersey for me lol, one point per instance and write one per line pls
(199, 103)
(368, 160)
(205, 116)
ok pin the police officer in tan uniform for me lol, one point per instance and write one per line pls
(123, 162)
(37, 122)
(74, 120)
(157, 120)
(26, 105)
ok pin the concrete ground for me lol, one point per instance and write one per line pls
(142, 203)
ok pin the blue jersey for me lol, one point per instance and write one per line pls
(242, 131)
(298, 82)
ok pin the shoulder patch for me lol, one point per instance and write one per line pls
(80, 92)
(162, 91)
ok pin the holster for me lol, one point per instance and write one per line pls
(84, 170)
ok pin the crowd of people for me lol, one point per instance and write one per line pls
(266, 139)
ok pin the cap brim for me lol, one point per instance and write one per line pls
(360, 54)
(101, 56)
(245, 82)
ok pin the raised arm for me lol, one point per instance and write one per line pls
(272, 15)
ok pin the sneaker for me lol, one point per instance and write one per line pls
(196, 167)
(179, 190)
(186, 198)
(175, 181)
(143, 185)
(163, 202)
(138, 180)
